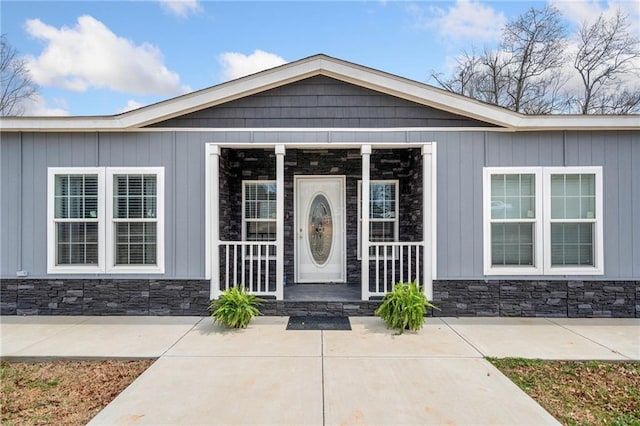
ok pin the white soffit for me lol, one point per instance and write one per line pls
(331, 67)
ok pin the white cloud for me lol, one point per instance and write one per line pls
(579, 11)
(181, 8)
(90, 55)
(37, 106)
(236, 65)
(131, 105)
(466, 19)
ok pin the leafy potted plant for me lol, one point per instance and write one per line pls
(235, 307)
(405, 307)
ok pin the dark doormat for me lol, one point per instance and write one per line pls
(315, 322)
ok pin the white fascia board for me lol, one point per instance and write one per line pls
(58, 124)
(222, 93)
(185, 104)
(579, 122)
(322, 65)
(421, 93)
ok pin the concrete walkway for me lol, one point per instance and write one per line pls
(270, 376)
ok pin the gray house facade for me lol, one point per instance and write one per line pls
(320, 174)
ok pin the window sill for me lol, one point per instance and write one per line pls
(135, 270)
(513, 271)
(586, 270)
(74, 270)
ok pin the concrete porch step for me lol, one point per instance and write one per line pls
(319, 308)
(327, 292)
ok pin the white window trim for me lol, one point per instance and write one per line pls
(111, 266)
(244, 218)
(106, 248)
(598, 252)
(244, 202)
(542, 251)
(52, 267)
(396, 221)
(490, 269)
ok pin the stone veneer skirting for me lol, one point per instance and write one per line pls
(512, 298)
(103, 297)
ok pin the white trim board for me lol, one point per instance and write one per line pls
(335, 68)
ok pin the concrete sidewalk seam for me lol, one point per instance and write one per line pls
(180, 338)
(463, 337)
(404, 357)
(591, 340)
(240, 356)
(322, 376)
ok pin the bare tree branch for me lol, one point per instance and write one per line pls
(464, 78)
(606, 52)
(16, 84)
(535, 44)
(530, 70)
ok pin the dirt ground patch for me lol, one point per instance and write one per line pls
(62, 392)
(73, 392)
(580, 393)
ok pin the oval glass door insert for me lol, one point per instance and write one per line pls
(320, 229)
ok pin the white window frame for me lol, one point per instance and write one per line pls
(52, 266)
(111, 266)
(106, 229)
(537, 268)
(542, 223)
(396, 221)
(598, 249)
(244, 218)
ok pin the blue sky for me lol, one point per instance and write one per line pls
(104, 57)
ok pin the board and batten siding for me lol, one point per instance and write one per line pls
(26, 158)
(320, 101)
(461, 155)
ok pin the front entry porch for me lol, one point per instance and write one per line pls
(281, 216)
(323, 292)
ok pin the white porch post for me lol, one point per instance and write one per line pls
(280, 152)
(214, 194)
(365, 151)
(427, 211)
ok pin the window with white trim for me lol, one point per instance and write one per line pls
(113, 224)
(134, 220)
(75, 220)
(383, 212)
(259, 211)
(573, 220)
(543, 220)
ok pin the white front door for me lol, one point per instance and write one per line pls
(320, 229)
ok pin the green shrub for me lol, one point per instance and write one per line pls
(405, 307)
(235, 307)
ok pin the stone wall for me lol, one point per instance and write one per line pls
(404, 165)
(573, 299)
(519, 298)
(103, 297)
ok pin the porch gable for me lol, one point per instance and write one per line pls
(320, 102)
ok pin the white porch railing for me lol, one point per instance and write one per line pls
(248, 263)
(394, 262)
